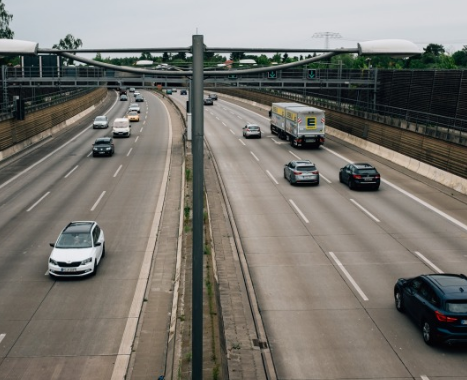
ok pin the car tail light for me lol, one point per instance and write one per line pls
(377, 176)
(357, 176)
(296, 172)
(316, 172)
(443, 318)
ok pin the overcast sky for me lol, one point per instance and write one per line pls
(242, 23)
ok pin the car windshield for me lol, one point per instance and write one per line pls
(75, 240)
(306, 168)
(101, 118)
(133, 113)
(456, 307)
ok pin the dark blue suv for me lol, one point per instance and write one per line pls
(437, 303)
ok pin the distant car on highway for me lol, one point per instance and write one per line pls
(139, 98)
(121, 127)
(134, 107)
(183, 92)
(78, 250)
(208, 102)
(103, 146)
(133, 116)
(438, 305)
(123, 98)
(100, 122)
(301, 171)
(360, 175)
(251, 130)
(168, 91)
(213, 96)
(136, 93)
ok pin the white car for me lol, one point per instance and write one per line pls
(134, 107)
(251, 130)
(78, 250)
(121, 127)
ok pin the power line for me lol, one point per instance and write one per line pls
(326, 36)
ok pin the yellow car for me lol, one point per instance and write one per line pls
(133, 116)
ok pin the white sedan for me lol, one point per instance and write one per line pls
(78, 250)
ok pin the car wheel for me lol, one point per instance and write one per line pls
(351, 185)
(376, 187)
(398, 301)
(292, 182)
(427, 333)
(96, 266)
(285, 175)
(340, 178)
(317, 183)
(103, 250)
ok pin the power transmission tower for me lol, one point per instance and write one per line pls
(326, 36)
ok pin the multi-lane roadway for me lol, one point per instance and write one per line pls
(323, 259)
(79, 329)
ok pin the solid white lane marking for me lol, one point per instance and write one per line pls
(256, 158)
(42, 159)
(270, 175)
(116, 173)
(411, 196)
(98, 200)
(71, 171)
(365, 210)
(428, 262)
(299, 211)
(349, 277)
(40, 200)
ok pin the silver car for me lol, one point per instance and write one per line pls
(251, 130)
(303, 171)
(100, 122)
(134, 107)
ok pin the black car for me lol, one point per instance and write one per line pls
(103, 146)
(213, 96)
(183, 92)
(208, 102)
(359, 175)
(139, 98)
(438, 305)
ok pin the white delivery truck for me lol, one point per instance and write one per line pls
(121, 127)
(300, 124)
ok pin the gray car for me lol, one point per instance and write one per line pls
(100, 122)
(251, 130)
(303, 171)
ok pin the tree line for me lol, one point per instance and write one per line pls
(434, 56)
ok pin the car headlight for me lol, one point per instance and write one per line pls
(52, 261)
(88, 260)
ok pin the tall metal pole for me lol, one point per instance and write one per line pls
(198, 202)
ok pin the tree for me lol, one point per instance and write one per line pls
(68, 43)
(5, 18)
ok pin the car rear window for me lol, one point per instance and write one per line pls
(253, 128)
(367, 171)
(456, 307)
(308, 168)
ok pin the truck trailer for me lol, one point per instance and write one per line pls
(301, 125)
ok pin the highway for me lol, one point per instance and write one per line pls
(79, 328)
(324, 260)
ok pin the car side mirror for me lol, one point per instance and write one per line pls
(52, 244)
(98, 244)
